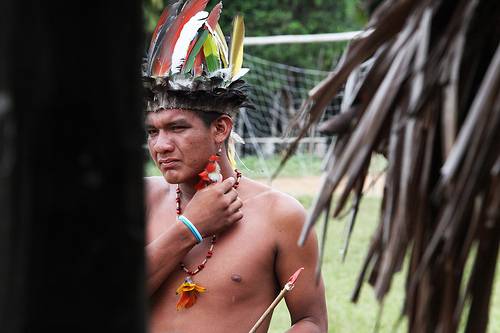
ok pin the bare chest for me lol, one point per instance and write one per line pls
(242, 261)
(239, 277)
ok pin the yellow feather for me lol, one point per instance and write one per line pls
(222, 45)
(210, 47)
(237, 39)
(231, 153)
(211, 54)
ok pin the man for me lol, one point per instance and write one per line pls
(217, 256)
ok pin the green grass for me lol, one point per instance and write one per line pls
(252, 167)
(340, 279)
(150, 169)
(296, 166)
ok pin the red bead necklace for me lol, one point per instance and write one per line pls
(214, 237)
(189, 290)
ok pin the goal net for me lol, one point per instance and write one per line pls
(277, 92)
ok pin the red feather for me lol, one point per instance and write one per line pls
(198, 64)
(167, 17)
(165, 59)
(160, 23)
(213, 18)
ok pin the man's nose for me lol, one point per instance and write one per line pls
(163, 143)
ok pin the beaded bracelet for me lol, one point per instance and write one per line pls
(191, 228)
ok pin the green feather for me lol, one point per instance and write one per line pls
(194, 52)
(211, 54)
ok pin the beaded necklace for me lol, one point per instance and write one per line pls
(190, 290)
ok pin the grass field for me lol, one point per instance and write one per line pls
(298, 165)
(340, 277)
(253, 168)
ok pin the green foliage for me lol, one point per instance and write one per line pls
(279, 17)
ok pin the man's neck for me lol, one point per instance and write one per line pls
(187, 188)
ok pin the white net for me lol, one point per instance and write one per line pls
(277, 92)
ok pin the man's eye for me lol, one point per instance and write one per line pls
(152, 131)
(178, 128)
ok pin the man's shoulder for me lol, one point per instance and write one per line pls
(155, 182)
(282, 207)
(154, 186)
(287, 211)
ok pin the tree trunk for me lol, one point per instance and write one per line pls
(71, 194)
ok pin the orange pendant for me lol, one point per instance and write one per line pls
(189, 293)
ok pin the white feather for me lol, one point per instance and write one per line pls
(181, 84)
(237, 138)
(242, 72)
(187, 34)
(224, 73)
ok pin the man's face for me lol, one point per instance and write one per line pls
(179, 143)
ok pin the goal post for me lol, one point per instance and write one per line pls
(298, 39)
(277, 92)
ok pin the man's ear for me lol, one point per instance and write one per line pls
(221, 128)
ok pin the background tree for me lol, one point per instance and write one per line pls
(278, 17)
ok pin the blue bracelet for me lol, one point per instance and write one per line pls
(191, 228)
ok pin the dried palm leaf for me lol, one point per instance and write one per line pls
(428, 100)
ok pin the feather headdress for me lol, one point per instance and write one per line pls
(189, 64)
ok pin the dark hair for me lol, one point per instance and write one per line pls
(208, 117)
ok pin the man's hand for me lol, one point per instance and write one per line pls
(214, 208)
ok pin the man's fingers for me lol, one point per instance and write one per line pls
(236, 216)
(227, 184)
(235, 206)
(232, 195)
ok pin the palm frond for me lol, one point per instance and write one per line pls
(429, 101)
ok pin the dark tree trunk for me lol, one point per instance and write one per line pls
(71, 196)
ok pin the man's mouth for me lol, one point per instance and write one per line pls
(167, 163)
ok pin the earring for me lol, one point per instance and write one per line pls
(219, 152)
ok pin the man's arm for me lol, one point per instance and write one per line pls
(306, 303)
(164, 254)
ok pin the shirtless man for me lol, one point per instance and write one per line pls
(256, 227)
